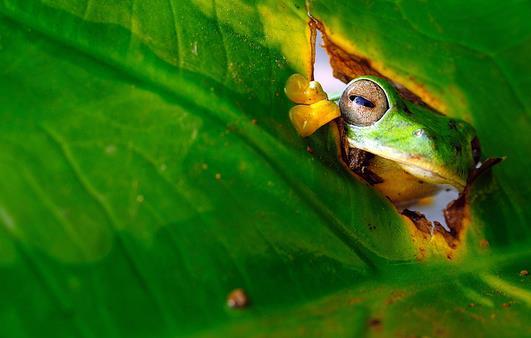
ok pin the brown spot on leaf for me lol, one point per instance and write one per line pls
(356, 300)
(524, 273)
(237, 299)
(395, 297)
(309, 149)
(484, 244)
(375, 323)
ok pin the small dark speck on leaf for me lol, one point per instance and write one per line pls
(375, 323)
(309, 149)
(484, 244)
(506, 305)
(524, 273)
(237, 299)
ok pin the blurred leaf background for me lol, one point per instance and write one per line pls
(149, 168)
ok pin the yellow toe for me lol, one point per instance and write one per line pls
(308, 118)
(299, 90)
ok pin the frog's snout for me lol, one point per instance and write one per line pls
(430, 140)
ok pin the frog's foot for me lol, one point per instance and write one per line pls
(308, 118)
(299, 90)
(314, 109)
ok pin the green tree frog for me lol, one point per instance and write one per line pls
(404, 149)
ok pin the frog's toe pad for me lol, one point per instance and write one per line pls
(299, 90)
(308, 118)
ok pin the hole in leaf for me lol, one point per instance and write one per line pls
(333, 68)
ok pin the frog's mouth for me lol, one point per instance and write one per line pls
(415, 166)
(431, 176)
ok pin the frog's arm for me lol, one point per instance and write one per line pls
(314, 109)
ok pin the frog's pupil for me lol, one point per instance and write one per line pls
(361, 101)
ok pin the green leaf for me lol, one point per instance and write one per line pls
(149, 168)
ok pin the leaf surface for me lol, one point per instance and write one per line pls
(149, 168)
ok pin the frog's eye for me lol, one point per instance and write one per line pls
(363, 102)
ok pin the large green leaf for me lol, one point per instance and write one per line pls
(149, 168)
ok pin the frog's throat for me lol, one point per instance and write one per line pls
(423, 170)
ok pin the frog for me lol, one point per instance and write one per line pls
(403, 148)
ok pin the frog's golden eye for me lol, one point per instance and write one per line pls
(363, 102)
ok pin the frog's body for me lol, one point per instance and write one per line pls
(414, 148)
(389, 178)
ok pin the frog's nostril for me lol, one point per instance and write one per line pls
(427, 137)
(476, 149)
(419, 132)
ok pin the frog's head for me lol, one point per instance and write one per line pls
(433, 147)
